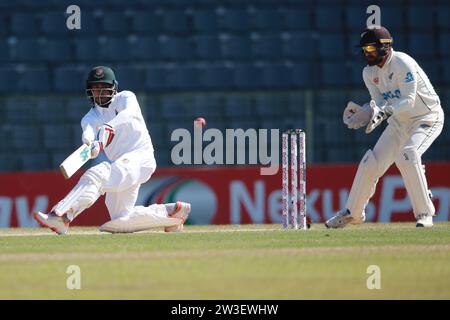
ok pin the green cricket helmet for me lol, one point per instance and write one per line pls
(102, 96)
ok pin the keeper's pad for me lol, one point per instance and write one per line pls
(363, 186)
(85, 193)
(410, 166)
(141, 218)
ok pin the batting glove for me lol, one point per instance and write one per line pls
(96, 148)
(105, 135)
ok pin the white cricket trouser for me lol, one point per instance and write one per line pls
(404, 144)
(122, 188)
(397, 138)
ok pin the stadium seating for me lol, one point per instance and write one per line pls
(114, 23)
(393, 17)
(18, 111)
(277, 76)
(331, 46)
(355, 18)
(300, 46)
(10, 162)
(56, 137)
(247, 76)
(446, 78)
(54, 22)
(177, 48)
(297, 19)
(173, 107)
(85, 47)
(270, 105)
(175, 22)
(3, 25)
(236, 47)
(444, 44)
(183, 77)
(32, 161)
(76, 107)
(201, 104)
(267, 47)
(34, 80)
(431, 68)
(25, 137)
(421, 18)
(156, 78)
(297, 104)
(25, 50)
(8, 79)
(56, 50)
(23, 24)
(422, 45)
(334, 74)
(207, 47)
(238, 105)
(236, 20)
(114, 49)
(442, 21)
(71, 78)
(50, 110)
(303, 76)
(329, 18)
(132, 77)
(267, 19)
(210, 79)
(237, 63)
(205, 21)
(145, 48)
(145, 23)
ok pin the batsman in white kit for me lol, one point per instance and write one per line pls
(116, 126)
(402, 94)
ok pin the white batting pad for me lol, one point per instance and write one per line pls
(140, 219)
(85, 193)
(410, 166)
(363, 186)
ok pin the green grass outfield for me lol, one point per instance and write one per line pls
(229, 262)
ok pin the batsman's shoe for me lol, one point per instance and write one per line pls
(342, 218)
(181, 211)
(58, 224)
(360, 220)
(424, 221)
(339, 220)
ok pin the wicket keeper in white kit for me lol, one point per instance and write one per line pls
(401, 94)
(115, 125)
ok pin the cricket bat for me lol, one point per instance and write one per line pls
(75, 161)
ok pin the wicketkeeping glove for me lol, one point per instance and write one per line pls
(379, 114)
(355, 116)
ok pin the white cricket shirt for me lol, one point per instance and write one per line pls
(125, 116)
(402, 84)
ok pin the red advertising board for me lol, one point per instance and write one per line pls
(227, 194)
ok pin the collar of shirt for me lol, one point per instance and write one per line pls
(389, 59)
